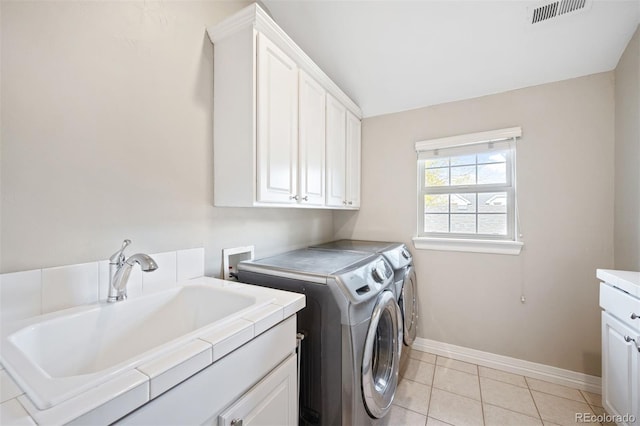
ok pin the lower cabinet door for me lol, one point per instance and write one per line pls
(620, 369)
(273, 401)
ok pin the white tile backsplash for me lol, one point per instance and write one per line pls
(67, 286)
(163, 277)
(190, 263)
(20, 295)
(31, 293)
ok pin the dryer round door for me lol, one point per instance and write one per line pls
(409, 306)
(381, 359)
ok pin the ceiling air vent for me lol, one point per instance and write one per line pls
(556, 9)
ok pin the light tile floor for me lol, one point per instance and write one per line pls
(436, 391)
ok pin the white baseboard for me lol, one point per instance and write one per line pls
(512, 365)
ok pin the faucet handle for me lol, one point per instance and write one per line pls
(118, 257)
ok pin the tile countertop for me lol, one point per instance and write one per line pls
(628, 281)
(112, 400)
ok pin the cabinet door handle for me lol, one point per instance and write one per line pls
(305, 198)
(629, 339)
(236, 422)
(634, 316)
(293, 197)
(350, 203)
(344, 202)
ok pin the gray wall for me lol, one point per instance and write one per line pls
(627, 154)
(565, 184)
(107, 134)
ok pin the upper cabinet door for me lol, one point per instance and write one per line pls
(277, 129)
(311, 145)
(336, 153)
(353, 160)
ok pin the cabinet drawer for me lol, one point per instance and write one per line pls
(621, 305)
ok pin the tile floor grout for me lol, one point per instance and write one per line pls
(439, 366)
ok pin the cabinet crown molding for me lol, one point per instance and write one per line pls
(254, 16)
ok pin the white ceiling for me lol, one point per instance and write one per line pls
(395, 55)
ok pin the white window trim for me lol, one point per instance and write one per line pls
(508, 247)
(469, 139)
(468, 245)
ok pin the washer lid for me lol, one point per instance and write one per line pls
(358, 245)
(307, 262)
(397, 254)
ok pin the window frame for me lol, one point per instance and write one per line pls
(485, 243)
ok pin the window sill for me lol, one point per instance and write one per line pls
(466, 245)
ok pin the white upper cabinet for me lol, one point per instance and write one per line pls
(343, 156)
(336, 153)
(277, 137)
(311, 143)
(353, 160)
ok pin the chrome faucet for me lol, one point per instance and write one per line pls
(120, 269)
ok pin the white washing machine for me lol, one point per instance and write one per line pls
(351, 351)
(400, 259)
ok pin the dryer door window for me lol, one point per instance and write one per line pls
(381, 356)
(409, 306)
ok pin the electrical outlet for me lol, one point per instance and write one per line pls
(230, 259)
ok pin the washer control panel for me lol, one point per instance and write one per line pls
(368, 280)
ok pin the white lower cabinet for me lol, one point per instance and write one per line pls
(620, 354)
(270, 402)
(254, 385)
(621, 373)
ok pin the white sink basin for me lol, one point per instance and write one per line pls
(58, 356)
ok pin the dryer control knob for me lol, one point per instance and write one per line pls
(378, 273)
(406, 254)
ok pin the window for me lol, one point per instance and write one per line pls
(467, 193)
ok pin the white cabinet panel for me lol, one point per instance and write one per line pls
(620, 353)
(336, 153)
(311, 142)
(273, 401)
(343, 156)
(277, 138)
(353, 160)
(620, 367)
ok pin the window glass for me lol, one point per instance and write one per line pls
(468, 194)
(436, 223)
(492, 173)
(463, 203)
(436, 203)
(492, 224)
(436, 177)
(463, 175)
